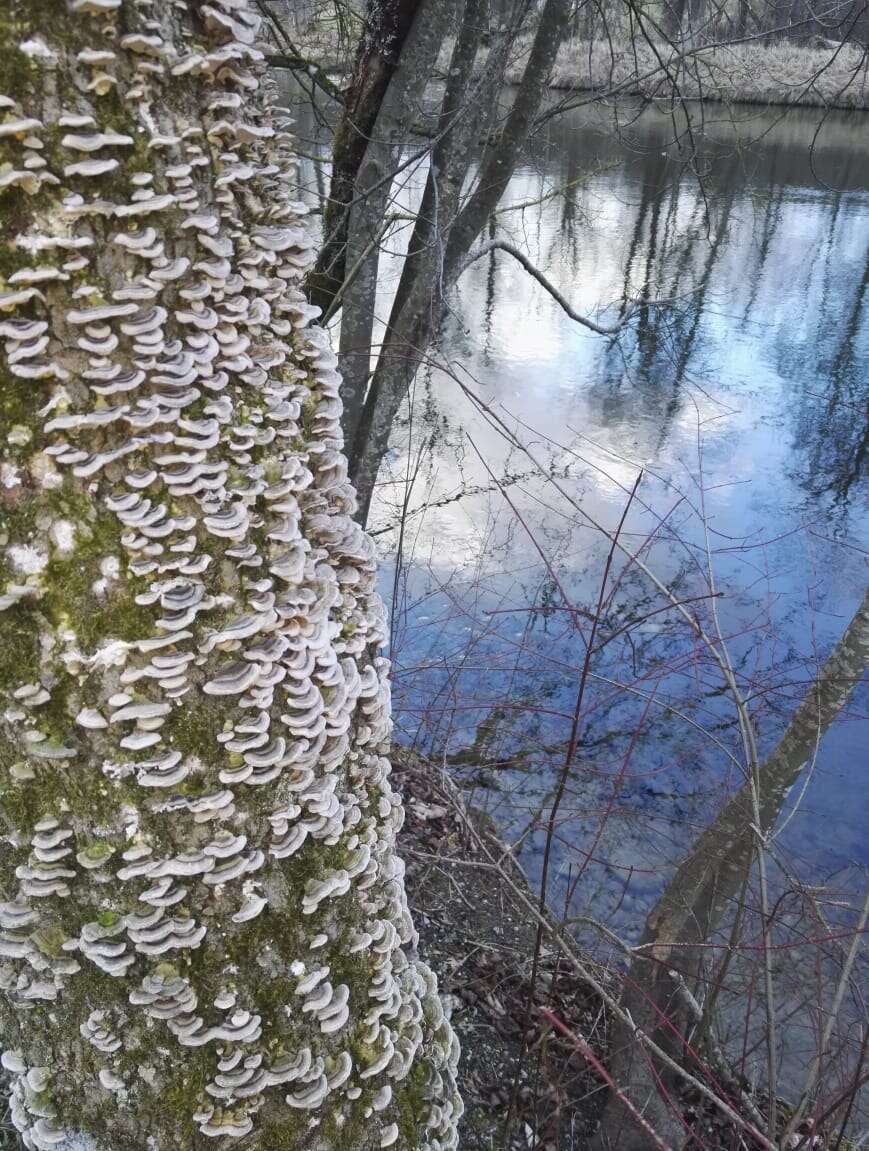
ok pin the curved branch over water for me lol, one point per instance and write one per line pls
(532, 270)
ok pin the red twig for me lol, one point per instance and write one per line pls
(586, 1052)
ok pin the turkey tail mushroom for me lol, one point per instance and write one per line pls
(197, 807)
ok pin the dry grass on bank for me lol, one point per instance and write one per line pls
(752, 73)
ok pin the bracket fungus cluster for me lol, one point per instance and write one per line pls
(203, 925)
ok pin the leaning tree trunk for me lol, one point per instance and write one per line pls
(706, 884)
(203, 929)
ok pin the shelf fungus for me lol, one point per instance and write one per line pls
(204, 926)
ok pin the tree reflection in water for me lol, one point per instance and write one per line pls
(760, 247)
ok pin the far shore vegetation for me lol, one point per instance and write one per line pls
(753, 72)
(757, 70)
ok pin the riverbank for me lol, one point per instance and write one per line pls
(466, 896)
(754, 72)
(473, 909)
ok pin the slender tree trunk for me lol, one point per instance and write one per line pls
(707, 884)
(421, 304)
(204, 937)
(674, 17)
(367, 215)
(388, 23)
(419, 288)
(500, 158)
(742, 17)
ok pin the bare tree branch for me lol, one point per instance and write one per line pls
(295, 59)
(532, 270)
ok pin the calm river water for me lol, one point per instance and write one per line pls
(745, 402)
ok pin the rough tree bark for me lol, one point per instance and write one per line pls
(203, 929)
(706, 884)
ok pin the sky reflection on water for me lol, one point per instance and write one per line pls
(757, 370)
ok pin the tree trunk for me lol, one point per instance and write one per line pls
(204, 937)
(673, 18)
(372, 195)
(418, 291)
(742, 18)
(420, 304)
(388, 23)
(706, 884)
